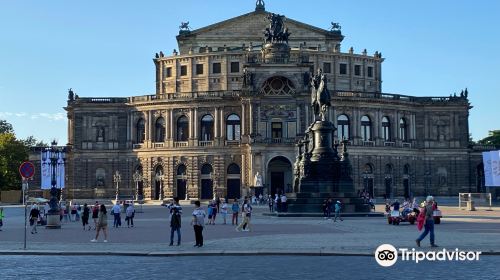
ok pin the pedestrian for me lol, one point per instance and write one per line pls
(95, 213)
(73, 212)
(1, 218)
(223, 209)
(325, 209)
(215, 209)
(116, 210)
(210, 210)
(283, 203)
(102, 224)
(428, 222)
(34, 214)
(235, 208)
(218, 202)
(129, 215)
(197, 222)
(85, 216)
(247, 213)
(271, 203)
(338, 208)
(278, 202)
(329, 207)
(175, 221)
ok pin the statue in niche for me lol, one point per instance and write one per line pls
(257, 180)
(247, 78)
(100, 134)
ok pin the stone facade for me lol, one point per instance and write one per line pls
(221, 113)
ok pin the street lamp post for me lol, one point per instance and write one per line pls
(137, 178)
(57, 158)
(117, 178)
(159, 177)
(215, 179)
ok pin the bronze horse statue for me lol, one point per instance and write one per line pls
(320, 96)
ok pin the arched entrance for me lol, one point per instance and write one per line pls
(388, 181)
(406, 181)
(480, 184)
(233, 181)
(279, 172)
(368, 179)
(181, 181)
(206, 191)
(158, 182)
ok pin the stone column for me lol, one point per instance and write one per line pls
(172, 127)
(222, 122)
(250, 118)
(298, 129)
(216, 124)
(307, 115)
(191, 124)
(243, 119)
(195, 120)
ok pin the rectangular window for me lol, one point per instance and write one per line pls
(199, 69)
(168, 72)
(277, 130)
(327, 67)
(342, 69)
(216, 68)
(370, 71)
(184, 70)
(357, 70)
(235, 67)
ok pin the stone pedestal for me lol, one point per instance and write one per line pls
(276, 53)
(53, 221)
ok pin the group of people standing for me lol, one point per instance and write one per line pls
(329, 207)
(278, 203)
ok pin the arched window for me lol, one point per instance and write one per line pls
(278, 86)
(233, 168)
(366, 128)
(406, 169)
(182, 128)
(141, 131)
(160, 130)
(386, 129)
(233, 127)
(342, 127)
(368, 169)
(402, 130)
(207, 128)
(388, 169)
(206, 169)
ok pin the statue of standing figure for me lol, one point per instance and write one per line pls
(320, 96)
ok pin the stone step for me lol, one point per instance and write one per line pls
(321, 195)
(344, 200)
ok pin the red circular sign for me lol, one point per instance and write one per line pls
(27, 169)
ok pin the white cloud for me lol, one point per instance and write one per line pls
(33, 116)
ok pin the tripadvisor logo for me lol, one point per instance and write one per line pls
(387, 255)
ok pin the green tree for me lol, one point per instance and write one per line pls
(5, 127)
(492, 139)
(12, 153)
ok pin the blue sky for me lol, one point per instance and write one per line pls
(105, 48)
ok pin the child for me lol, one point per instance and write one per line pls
(210, 210)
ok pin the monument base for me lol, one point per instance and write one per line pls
(53, 221)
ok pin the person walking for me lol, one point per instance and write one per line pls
(215, 209)
(95, 213)
(271, 203)
(198, 221)
(85, 216)
(1, 218)
(247, 211)
(34, 214)
(175, 221)
(129, 215)
(116, 210)
(428, 223)
(338, 208)
(102, 224)
(283, 203)
(235, 208)
(223, 209)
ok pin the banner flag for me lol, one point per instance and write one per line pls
(45, 170)
(495, 167)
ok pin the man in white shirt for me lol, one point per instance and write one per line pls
(198, 221)
(247, 214)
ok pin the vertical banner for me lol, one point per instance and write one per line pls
(495, 167)
(45, 170)
(60, 172)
